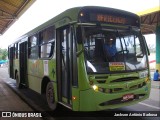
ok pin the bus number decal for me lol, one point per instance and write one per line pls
(45, 64)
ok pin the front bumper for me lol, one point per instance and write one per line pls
(91, 100)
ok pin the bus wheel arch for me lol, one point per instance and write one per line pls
(48, 90)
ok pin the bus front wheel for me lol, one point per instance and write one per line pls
(50, 96)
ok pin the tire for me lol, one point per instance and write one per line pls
(50, 96)
(18, 81)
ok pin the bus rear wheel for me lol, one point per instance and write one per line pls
(50, 96)
(18, 81)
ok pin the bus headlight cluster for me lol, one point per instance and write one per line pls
(95, 87)
(143, 74)
(104, 90)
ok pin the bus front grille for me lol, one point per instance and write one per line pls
(132, 87)
(125, 79)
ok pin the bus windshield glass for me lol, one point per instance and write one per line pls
(113, 50)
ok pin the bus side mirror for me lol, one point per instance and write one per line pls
(146, 45)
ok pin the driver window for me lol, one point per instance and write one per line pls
(139, 52)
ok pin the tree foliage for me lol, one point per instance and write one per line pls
(3, 54)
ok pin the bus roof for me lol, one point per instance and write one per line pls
(72, 14)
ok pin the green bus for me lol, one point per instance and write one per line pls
(70, 60)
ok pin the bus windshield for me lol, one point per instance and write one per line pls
(113, 50)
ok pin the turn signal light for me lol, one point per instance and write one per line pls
(74, 97)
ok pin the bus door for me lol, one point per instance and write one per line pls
(11, 56)
(64, 65)
(23, 63)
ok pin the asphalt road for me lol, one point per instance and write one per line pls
(149, 107)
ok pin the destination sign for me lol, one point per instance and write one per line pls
(108, 18)
(101, 15)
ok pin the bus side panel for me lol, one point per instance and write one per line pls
(35, 74)
(34, 83)
(37, 70)
(75, 99)
(52, 74)
(15, 67)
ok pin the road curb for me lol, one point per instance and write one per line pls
(25, 99)
(31, 103)
(154, 86)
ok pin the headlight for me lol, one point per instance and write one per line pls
(95, 87)
(104, 90)
(143, 74)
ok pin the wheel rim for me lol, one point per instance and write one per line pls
(50, 98)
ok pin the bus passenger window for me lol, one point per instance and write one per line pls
(33, 47)
(16, 51)
(47, 50)
(47, 42)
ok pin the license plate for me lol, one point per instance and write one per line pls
(128, 97)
